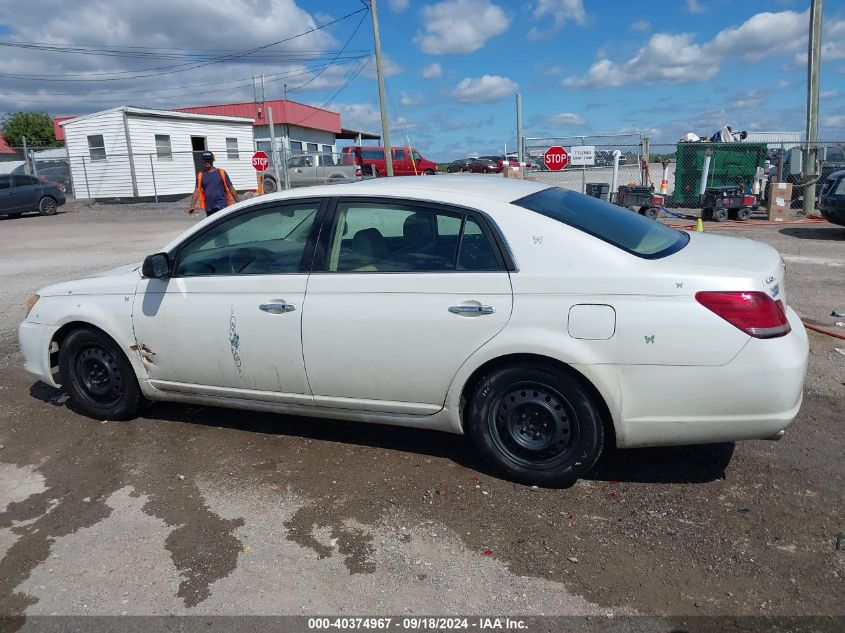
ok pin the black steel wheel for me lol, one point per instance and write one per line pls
(98, 377)
(720, 215)
(651, 212)
(536, 425)
(48, 206)
(743, 214)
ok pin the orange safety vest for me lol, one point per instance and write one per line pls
(229, 199)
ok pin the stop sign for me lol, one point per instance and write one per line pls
(556, 158)
(260, 161)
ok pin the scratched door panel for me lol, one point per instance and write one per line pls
(213, 332)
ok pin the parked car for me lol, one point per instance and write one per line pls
(406, 161)
(459, 165)
(543, 323)
(312, 169)
(57, 171)
(20, 193)
(832, 199)
(484, 166)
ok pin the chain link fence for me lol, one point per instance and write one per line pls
(167, 175)
(683, 172)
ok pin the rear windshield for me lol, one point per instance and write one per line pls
(624, 229)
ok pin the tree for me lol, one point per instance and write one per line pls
(37, 127)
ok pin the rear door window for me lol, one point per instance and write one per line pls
(624, 229)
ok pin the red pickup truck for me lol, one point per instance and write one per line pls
(406, 161)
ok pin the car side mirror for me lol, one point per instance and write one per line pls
(156, 266)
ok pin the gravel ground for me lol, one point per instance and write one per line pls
(209, 511)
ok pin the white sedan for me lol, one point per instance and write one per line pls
(543, 323)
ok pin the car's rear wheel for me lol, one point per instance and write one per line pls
(651, 212)
(536, 425)
(47, 206)
(743, 214)
(270, 185)
(428, 172)
(98, 377)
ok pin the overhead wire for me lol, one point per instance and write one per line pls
(168, 70)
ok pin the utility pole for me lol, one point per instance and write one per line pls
(813, 61)
(519, 155)
(385, 128)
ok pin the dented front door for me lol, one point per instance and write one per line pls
(228, 321)
(224, 335)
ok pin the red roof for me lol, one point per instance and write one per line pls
(289, 112)
(58, 129)
(4, 146)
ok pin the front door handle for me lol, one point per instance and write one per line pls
(277, 308)
(472, 309)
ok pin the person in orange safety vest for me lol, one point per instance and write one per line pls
(214, 189)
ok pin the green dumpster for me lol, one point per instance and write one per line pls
(730, 164)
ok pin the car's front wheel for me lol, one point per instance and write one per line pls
(47, 206)
(536, 425)
(98, 377)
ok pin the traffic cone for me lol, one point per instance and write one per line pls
(699, 226)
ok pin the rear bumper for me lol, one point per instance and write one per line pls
(755, 396)
(833, 214)
(35, 341)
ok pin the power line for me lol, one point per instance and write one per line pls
(173, 69)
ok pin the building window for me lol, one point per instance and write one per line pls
(313, 147)
(97, 147)
(296, 146)
(232, 148)
(163, 149)
(328, 149)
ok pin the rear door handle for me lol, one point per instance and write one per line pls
(471, 309)
(277, 308)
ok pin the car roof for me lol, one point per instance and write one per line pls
(424, 188)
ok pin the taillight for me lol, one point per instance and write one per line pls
(657, 200)
(753, 312)
(748, 201)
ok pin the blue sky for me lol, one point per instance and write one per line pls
(453, 66)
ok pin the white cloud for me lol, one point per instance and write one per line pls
(642, 25)
(460, 26)
(406, 100)
(828, 94)
(157, 25)
(432, 71)
(366, 117)
(833, 44)
(834, 120)
(679, 59)
(483, 90)
(567, 120)
(397, 6)
(694, 6)
(561, 12)
(750, 99)
(388, 67)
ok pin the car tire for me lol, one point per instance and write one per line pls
(270, 185)
(97, 376)
(48, 206)
(651, 212)
(743, 214)
(536, 425)
(428, 172)
(720, 215)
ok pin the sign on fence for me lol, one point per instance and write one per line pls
(556, 158)
(582, 155)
